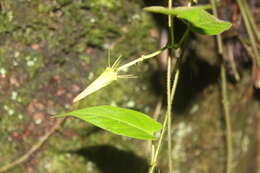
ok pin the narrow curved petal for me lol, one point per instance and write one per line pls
(107, 77)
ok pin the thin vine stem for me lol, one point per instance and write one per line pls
(220, 45)
(169, 72)
(242, 7)
(219, 38)
(183, 39)
(251, 21)
(169, 105)
(140, 59)
(224, 99)
(156, 154)
(227, 119)
(172, 94)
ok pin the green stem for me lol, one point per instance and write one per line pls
(142, 58)
(251, 21)
(224, 100)
(174, 86)
(246, 45)
(219, 39)
(220, 45)
(169, 106)
(230, 55)
(155, 156)
(153, 162)
(249, 30)
(173, 91)
(227, 119)
(170, 97)
(169, 72)
(184, 37)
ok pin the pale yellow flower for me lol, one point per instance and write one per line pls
(107, 77)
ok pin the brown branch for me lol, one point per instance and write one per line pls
(34, 148)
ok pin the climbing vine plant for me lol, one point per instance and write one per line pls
(136, 124)
(133, 123)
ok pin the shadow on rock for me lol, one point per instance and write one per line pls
(257, 93)
(196, 75)
(109, 159)
(90, 131)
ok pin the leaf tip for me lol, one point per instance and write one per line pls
(60, 116)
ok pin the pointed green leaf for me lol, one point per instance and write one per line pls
(196, 18)
(204, 23)
(121, 121)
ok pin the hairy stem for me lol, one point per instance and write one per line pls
(155, 158)
(156, 153)
(142, 58)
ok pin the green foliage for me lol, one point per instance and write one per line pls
(6, 24)
(175, 11)
(121, 121)
(128, 122)
(197, 19)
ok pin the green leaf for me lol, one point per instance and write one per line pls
(204, 23)
(121, 121)
(196, 18)
(175, 11)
